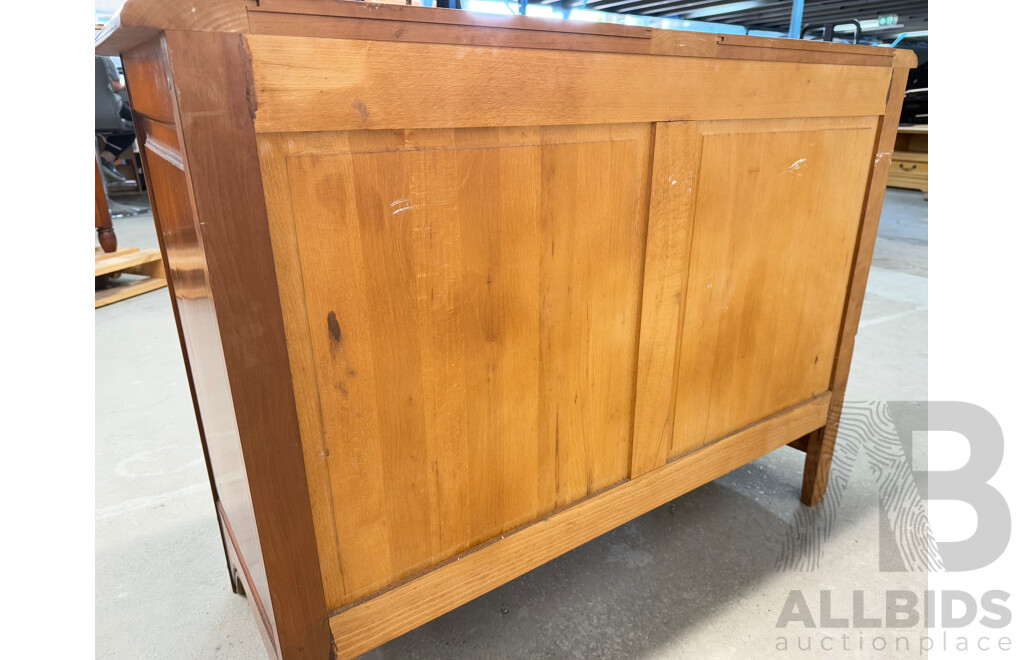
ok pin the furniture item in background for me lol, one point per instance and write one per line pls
(915, 103)
(909, 167)
(111, 126)
(458, 293)
(110, 266)
(104, 227)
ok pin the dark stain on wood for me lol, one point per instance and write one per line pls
(360, 107)
(334, 328)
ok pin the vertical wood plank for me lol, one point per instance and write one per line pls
(437, 248)
(340, 339)
(390, 279)
(674, 178)
(821, 443)
(308, 400)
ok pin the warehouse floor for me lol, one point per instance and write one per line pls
(697, 576)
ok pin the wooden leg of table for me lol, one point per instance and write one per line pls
(104, 227)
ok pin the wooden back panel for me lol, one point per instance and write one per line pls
(766, 227)
(468, 305)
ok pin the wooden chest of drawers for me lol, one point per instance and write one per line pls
(457, 294)
(910, 159)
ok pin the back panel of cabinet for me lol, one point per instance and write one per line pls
(776, 217)
(465, 358)
(753, 230)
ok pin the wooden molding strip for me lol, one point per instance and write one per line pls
(363, 21)
(347, 27)
(804, 44)
(251, 593)
(780, 54)
(366, 624)
(389, 12)
(304, 84)
(166, 152)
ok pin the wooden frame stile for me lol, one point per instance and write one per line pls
(213, 109)
(820, 443)
(142, 136)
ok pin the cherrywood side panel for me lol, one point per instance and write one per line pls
(821, 444)
(308, 84)
(188, 282)
(674, 178)
(369, 623)
(151, 93)
(222, 166)
(471, 304)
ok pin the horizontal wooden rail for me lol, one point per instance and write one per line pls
(303, 84)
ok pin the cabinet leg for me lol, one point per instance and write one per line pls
(818, 463)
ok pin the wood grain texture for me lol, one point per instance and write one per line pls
(774, 233)
(139, 22)
(368, 28)
(222, 167)
(674, 177)
(805, 45)
(372, 622)
(471, 304)
(683, 44)
(389, 13)
(799, 55)
(305, 84)
(151, 95)
(821, 444)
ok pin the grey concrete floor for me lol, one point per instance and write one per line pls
(696, 577)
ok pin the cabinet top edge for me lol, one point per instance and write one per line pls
(139, 21)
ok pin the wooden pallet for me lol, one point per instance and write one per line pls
(130, 261)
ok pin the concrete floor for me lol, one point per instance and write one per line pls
(694, 577)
